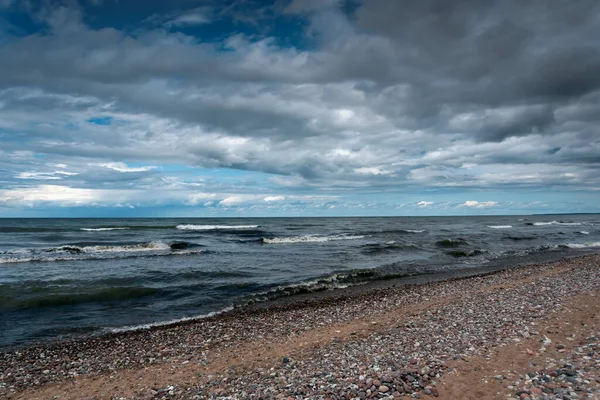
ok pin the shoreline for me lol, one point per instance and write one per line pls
(308, 298)
(194, 350)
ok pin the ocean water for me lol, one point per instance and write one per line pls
(61, 278)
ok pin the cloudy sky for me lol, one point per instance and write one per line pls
(299, 107)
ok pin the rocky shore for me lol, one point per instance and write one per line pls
(529, 332)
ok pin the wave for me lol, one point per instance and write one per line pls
(104, 229)
(386, 247)
(499, 226)
(310, 239)
(56, 300)
(519, 238)
(463, 253)
(133, 328)
(582, 245)
(340, 280)
(556, 223)
(533, 250)
(215, 227)
(451, 243)
(584, 232)
(75, 252)
(329, 282)
(402, 231)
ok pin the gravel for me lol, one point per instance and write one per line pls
(404, 358)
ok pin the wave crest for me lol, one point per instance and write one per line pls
(310, 239)
(557, 223)
(74, 252)
(190, 227)
(583, 245)
(104, 229)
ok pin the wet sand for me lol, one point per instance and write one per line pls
(525, 332)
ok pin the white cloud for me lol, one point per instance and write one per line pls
(477, 204)
(274, 198)
(197, 198)
(372, 171)
(237, 199)
(194, 17)
(62, 195)
(122, 167)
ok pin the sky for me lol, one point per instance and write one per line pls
(202, 108)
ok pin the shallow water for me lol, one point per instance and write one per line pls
(63, 277)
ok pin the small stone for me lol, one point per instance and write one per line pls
(384, 389)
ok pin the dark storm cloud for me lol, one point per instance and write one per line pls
(488, 54)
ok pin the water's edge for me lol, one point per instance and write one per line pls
(300, 301)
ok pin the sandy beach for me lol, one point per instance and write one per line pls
(527, 332)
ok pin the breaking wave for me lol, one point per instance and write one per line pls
(464, 253)
(334, 281)
(142, 327)
(557, 223)
(215, 227)
(75, 252)
(310, 239)
(582, 245)
(104, 229)
(451, 243)
(499, 226)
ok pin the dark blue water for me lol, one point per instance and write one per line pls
(63, 277)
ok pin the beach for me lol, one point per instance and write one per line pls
(526, 332)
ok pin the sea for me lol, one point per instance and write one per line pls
(69, 278)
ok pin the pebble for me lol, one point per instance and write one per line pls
(384, 364)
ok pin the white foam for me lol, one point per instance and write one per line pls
(310, 239)
(582, 245)
(95, 252)
(214, 227)
(413, 231)
(500, 226)
(150, 246)
(557, 223)
(584, 232)
(14, 260)
(102, 229)
(170, 322)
